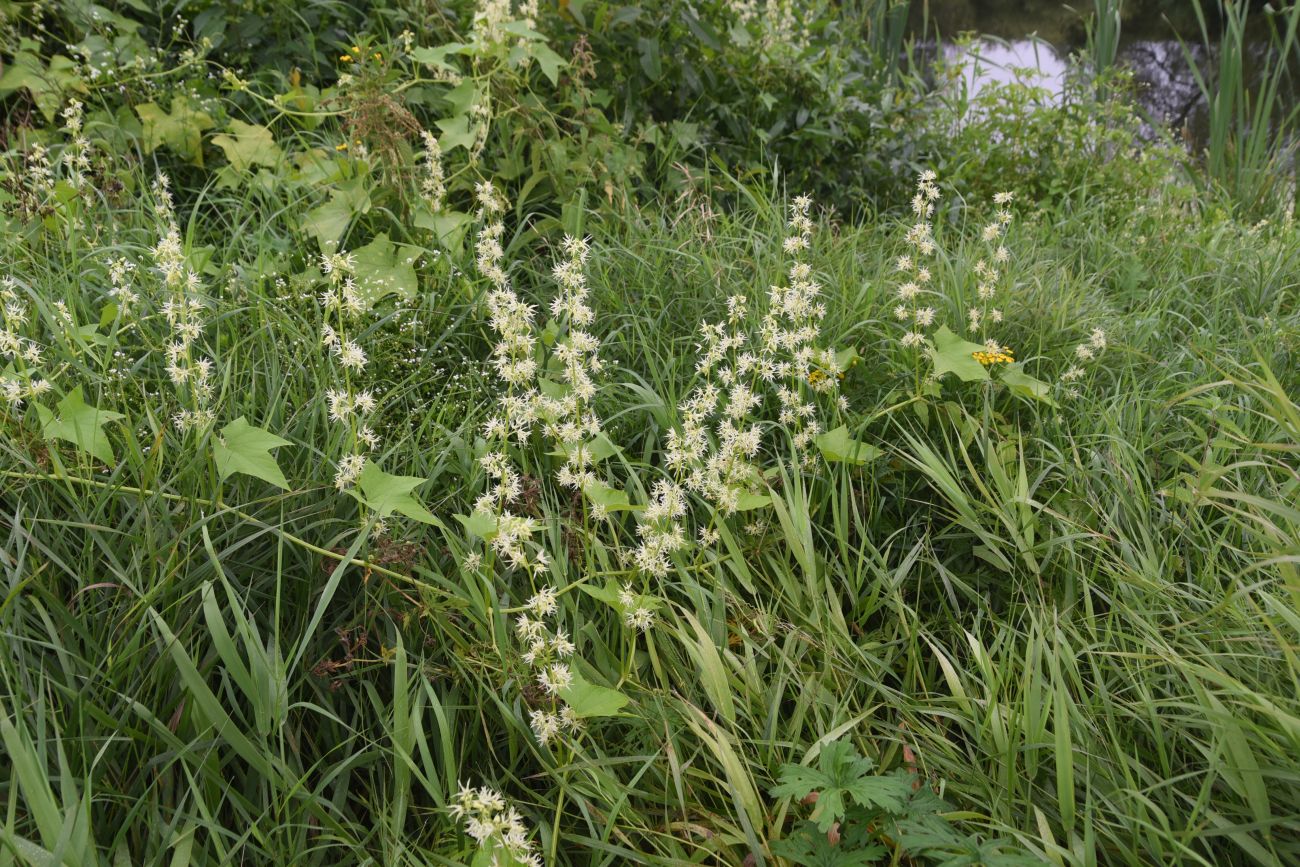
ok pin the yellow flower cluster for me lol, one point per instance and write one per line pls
(999, 355)
(818, 375)
(356, 54)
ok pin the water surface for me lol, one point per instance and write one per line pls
(1032, 40)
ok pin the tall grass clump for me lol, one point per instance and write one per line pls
(1249, 95)
(380, 483)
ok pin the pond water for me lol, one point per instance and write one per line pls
(1032, 40)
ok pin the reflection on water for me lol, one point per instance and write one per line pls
(1031, 41)
(1166, 85)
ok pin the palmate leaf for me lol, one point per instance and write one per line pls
(387, 494)
(952, 354)
(841, 775)
(383, 267)
(589, 700)
(1021, 383)
(249, 144)
(809, 847)
(181, 129)
(837, 446)
(242, 448)
(481, 524)
(609, 498)
(79, 423)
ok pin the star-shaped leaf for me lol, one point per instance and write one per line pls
(837, 446)
(953, 354)
(1021, 383)
(79, 423)
(387, 494)
(589, 700)
(242, 448)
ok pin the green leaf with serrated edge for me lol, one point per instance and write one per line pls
(247, 145)
(242, 448)
(481, 524)
(328, 222)
(607, 593)
(1021, 383)
(838, 447)
(953, 354)
(387, 494)
(437, 56)
(552, 389)
(382, 268)
(79, 423)
(589, 700)
(841, 774)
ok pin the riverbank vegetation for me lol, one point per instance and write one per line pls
(691, 433)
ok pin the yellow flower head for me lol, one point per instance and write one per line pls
(1001, 355)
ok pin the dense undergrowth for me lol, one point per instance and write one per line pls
(421, 449)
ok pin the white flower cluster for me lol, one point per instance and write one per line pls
(182, 308)
(22, 354)
(778, 22)
(76, 154)
(660, 529)
(514, 360)
(341, 305)
(988, 272)
(911, 310)
(790, 331)
(498, 829)
(636, 615)
(712, 453)
(1084, 354)
(548, 648)
(40, 174)
(568, 418)
(121, 274)
(492, 14)
(433, 185)
(571, 420)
